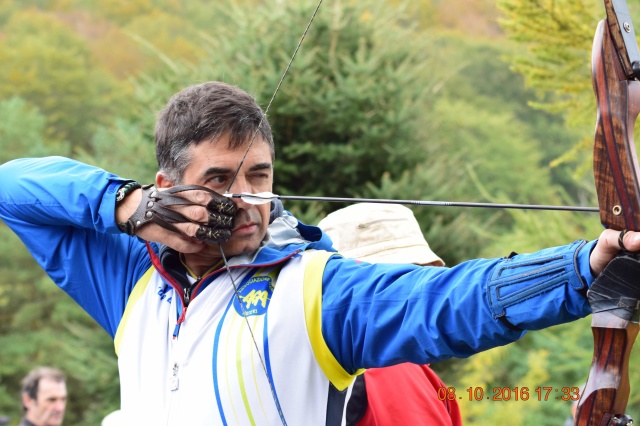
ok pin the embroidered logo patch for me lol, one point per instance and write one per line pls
(254, 296)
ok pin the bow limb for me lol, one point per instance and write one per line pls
(615, 67)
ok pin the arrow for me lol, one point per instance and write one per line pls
(267, 197)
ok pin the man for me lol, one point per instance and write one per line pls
(406, 393)
(274, 334)
(44, 397)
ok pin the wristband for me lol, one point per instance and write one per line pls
(125, 190)
(121, 194)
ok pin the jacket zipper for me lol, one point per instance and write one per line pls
(185, 293)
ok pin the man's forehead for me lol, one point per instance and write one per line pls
(48, 386)
(221, 149)
(225, 142)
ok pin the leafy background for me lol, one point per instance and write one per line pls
(456, 100)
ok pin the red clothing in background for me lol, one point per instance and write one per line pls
(405, 394)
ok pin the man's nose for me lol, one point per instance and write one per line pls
(239, 186)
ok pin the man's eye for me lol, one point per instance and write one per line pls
(260, 176)
(218, 179)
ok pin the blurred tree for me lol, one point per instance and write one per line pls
(38, 323)
(45, 63)
(484, 144)
(555, 40)
(351, 107)
(100, 36)
(161, 31)
(135, 156)
(473, 18)
(22, 132)
(122, 11)
(45, 327)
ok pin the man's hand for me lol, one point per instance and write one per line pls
(183, 217)
(607, 248)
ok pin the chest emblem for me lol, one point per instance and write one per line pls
(253, 296)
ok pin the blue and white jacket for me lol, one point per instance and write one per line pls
(317, 319)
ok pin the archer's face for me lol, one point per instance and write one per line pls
(213, 164)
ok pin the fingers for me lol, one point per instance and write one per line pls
(201, 205)
(203, 196)
(608, 247)
(219, 221)
(211, 235)
(171, 239)
(629, 241)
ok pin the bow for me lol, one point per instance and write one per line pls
(615, 68)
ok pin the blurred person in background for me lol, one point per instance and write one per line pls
(403, 393)
(44, 397)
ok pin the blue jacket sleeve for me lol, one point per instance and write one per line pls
(375, 315)
(64, 213)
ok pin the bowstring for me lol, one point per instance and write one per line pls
(255, 343)
(275, 93)
(235, 175)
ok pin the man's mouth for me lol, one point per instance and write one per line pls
(245, 228)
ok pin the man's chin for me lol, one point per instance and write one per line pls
(233, 247)
(236, 248)
(56, 421)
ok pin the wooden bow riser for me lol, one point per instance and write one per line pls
(604, 398)
(607, 389)
(615, 163)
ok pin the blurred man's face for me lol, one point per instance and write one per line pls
(48, 407)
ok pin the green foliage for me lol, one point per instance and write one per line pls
(49, 66)
(124, 149)
(555, 40)
(485, 144)
(559, 36)
(351, 106)
(171, 34)
(40, 325)
(22, 132)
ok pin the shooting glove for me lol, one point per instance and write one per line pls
(155, 206)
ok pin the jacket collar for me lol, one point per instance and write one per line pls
(285, 236)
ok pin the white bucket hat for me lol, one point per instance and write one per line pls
(379, 233)
(115, 418)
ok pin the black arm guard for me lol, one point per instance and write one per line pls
(617, 288)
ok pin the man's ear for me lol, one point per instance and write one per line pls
(26, 401)
(162, 181)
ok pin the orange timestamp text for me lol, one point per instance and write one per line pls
(540, 393)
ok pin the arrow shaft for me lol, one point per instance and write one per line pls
(438, 203)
